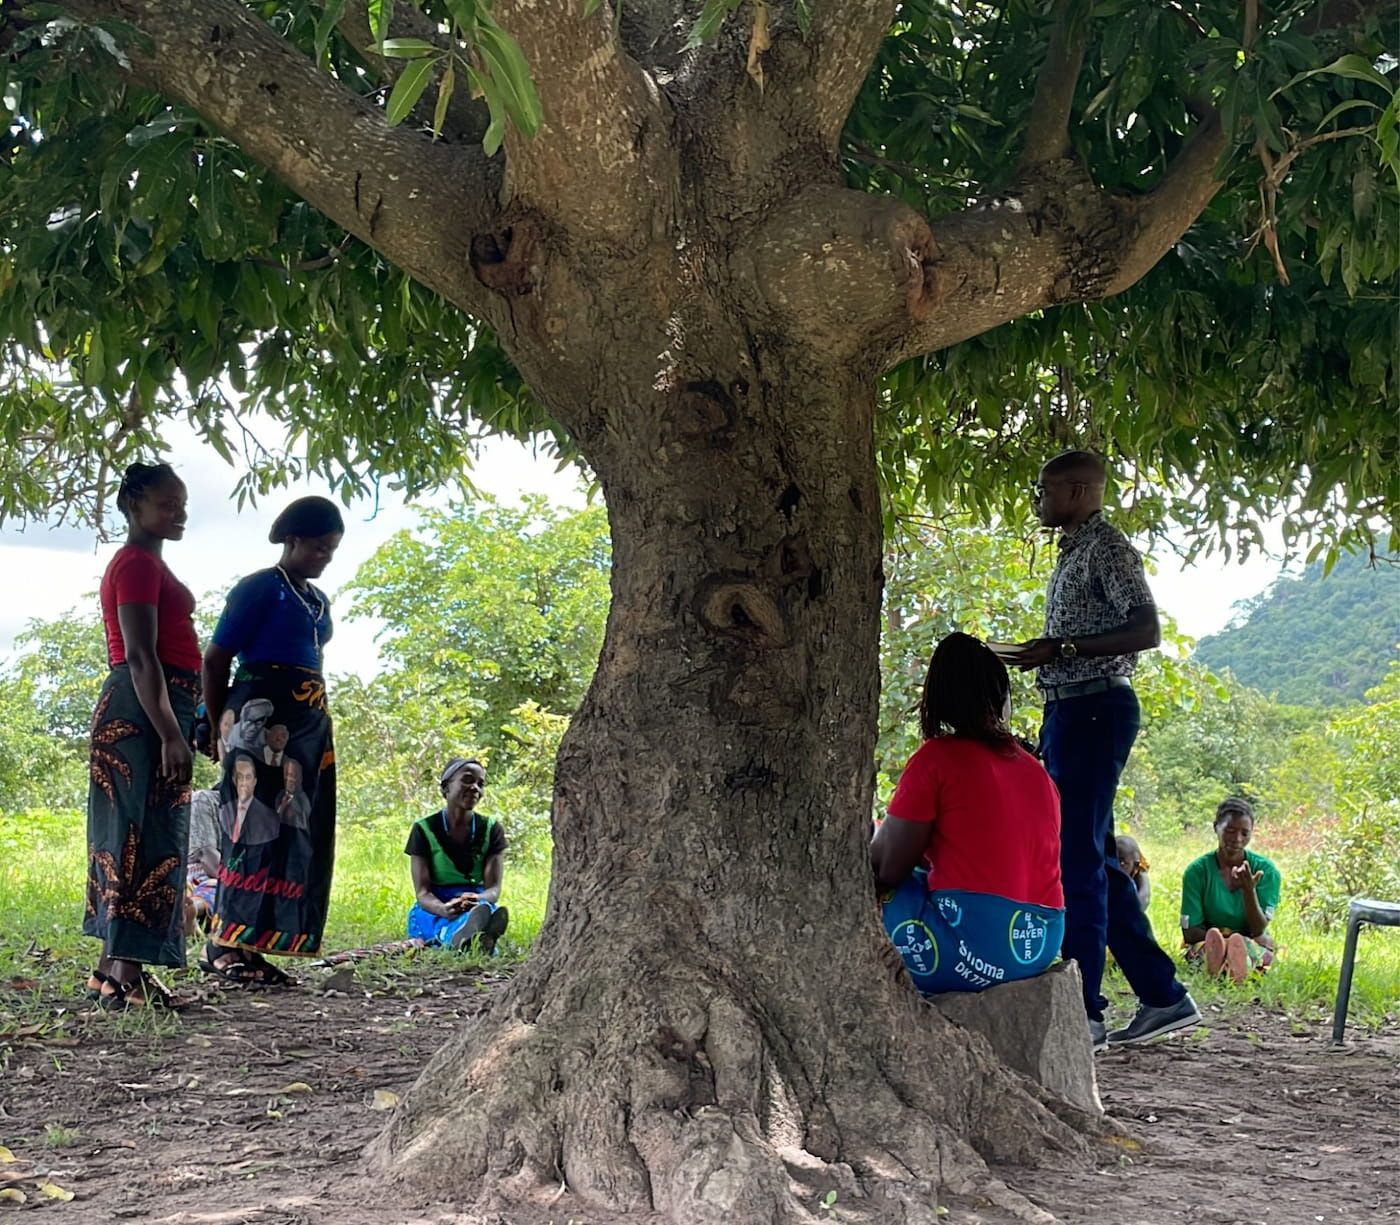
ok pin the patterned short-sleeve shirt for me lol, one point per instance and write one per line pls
(1098, 579)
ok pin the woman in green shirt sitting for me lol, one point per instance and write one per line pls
(1228, 898)
(456, 855)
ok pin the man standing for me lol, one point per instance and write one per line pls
(1099, 614)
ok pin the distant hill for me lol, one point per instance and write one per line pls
(1313, 640)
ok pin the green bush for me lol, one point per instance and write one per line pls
(1356, 858)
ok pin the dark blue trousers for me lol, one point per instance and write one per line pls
(1085, 742)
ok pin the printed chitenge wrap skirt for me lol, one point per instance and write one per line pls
(138, 825)
(276, 812)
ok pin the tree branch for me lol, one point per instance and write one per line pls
(1047, 132)
(1165, 213)
(415, 200)
(840, 47)
(1054, 239)
(467, 117)
(605, 124)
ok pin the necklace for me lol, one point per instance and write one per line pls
(313, 607)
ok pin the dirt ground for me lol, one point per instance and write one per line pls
(255, 1107)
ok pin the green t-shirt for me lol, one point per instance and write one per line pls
(1207, 901)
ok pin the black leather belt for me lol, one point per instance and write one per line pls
(1082, 689)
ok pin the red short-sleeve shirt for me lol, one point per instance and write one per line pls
(995, 816)
(134, 576)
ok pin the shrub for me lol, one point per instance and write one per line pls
(1356, 858)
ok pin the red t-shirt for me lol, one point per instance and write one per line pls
(995, 816)
(134, 576)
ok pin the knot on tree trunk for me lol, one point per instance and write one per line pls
(505, 261)
(839, 270)
(741, 609)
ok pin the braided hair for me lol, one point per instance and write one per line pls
(1233, 806)
(137, 481)
(965, 693)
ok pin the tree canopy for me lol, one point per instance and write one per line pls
(151, 270)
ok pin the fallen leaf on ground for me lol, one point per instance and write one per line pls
(384, 1099)
(13, 1195)
(199, 1040)
(1123, 1142)
(23, 984)
(6, 1157)
(54, 1191)
(297, 1086)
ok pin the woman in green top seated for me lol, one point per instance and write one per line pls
(1228, 898)
(456, 860)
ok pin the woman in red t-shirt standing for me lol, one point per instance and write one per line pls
(970, 852)
(140, 765)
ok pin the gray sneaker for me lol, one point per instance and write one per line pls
(1098, 1036)
(477, 918)
(1153, 1022)
(495, 928)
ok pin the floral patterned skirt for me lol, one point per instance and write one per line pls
(137, 825)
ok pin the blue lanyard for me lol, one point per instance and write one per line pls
(471, 836)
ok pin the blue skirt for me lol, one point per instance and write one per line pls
(956, 940)
(434, 928)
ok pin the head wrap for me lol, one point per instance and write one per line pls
(311, 516)
(456, 766)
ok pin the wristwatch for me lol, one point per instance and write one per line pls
(1067, 649)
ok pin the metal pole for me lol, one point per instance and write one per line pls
(1339, 1016)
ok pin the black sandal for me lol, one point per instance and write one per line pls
(272, 975)
(252, 970)
(153, 994)
(101, 979)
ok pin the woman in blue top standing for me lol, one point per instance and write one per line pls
(275, 872)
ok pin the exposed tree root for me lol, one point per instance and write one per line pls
(673, 1094)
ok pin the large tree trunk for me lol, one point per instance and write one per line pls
(712, 1024)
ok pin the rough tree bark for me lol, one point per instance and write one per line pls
(712, 1025)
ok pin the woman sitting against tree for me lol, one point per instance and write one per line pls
(969, 855)
(455, 857)
(1228, 897)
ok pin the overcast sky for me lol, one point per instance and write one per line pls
(59, 569)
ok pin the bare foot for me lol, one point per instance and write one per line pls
(1215, 951)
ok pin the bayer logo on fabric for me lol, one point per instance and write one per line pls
(950, 910)
(914, 940)
(1029, 932)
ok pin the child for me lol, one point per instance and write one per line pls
(1134, 863)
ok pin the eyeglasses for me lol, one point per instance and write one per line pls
(1040, 487)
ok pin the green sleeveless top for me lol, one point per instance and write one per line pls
(455, 863)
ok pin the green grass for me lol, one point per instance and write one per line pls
(42, 861)
(42, 869)
(1302, 982)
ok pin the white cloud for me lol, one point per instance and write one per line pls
(61, 569)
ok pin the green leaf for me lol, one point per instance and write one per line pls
(326, 23)
(802, 13)
(406, 48)
(1342, 107)
(1353, 66)
(464, 13)
(380, 13)
(495, 104)
(511, 73)
(708, 24)
(590, 7)
(445, 88)
(154, 130)
(408, 89)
